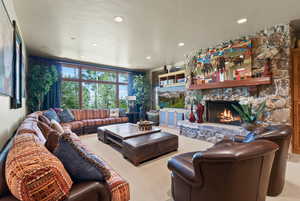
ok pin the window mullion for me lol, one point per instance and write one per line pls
(80, 88)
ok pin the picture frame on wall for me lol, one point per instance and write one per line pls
(16, 100)
(6, 52)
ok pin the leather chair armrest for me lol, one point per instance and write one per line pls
(185, 169)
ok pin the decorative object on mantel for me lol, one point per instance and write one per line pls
(267, 55)
(231, 62)
(250, 115)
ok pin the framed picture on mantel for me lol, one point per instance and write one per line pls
(16, 100)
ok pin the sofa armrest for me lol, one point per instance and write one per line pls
(8, 198)
(89, 191)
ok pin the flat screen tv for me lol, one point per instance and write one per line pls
(171, 97)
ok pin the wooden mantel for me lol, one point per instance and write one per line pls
(234, 83)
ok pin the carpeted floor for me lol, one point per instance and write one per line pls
(151, 180)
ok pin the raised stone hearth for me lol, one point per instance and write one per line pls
(211, 132)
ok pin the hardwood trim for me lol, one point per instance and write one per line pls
(295, 84)
(234, 83)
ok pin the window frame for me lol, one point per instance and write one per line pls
(80, 80)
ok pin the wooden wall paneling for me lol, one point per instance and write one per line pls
(296, 99)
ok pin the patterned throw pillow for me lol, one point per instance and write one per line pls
(66, 116)
(122, 112)
(114, 113)
(33, 174)
(56, 126)
(44, 119)
(81, 164)
(51, 114)
(30, 125)
(53, 140)
(45, 129)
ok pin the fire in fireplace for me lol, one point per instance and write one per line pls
(222, 112)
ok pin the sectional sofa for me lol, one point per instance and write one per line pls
(87, 121)
(34, 173)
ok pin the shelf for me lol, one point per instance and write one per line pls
(173, 85)
(234, 83)
(172, 74)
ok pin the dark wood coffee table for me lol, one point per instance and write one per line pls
(138, 146)
(117, 133)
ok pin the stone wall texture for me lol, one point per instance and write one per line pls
(278, 95)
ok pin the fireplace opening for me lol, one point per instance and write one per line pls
(222, 112)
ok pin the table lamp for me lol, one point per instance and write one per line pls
(131, 100)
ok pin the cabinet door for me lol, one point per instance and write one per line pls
(171, 119)
(162, 118)
(179, 117)
(296, 101)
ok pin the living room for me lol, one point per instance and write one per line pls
(149, 100)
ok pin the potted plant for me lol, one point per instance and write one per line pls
(249, 114)
(40, 79)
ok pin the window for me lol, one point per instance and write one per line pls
(97, 95)
(123, 93)
(123, 77)
(68, 72)
(93, 88)
(70, 95)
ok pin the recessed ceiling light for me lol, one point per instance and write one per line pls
(94, 44)
(148, 57)
(242, 21)
(73, 38)
(180, 44)
(118, 19)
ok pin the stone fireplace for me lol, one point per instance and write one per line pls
(222, 112)
(276, 95)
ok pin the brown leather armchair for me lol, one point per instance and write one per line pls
(229, 171)
(281, 135)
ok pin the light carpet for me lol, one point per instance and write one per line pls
(151, 180)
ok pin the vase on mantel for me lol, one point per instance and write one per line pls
(199, 112)
(192, 117)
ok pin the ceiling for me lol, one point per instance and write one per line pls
(71, 28)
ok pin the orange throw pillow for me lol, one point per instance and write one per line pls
(33, 174)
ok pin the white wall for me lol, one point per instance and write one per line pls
(9, 119)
